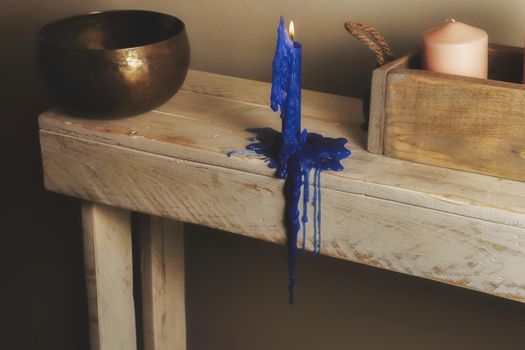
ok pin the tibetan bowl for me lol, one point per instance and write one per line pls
(114, 63)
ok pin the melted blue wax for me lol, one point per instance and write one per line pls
(294, 154)
(313, 152)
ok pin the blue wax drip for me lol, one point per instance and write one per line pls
(314, 203)
(313, 152)
(319, 211)
(292, 153)
(306, 198)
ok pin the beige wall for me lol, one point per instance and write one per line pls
(237, 286)
(237, 37)
(42, 298)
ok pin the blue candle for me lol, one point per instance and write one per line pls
(292, 128)
(296, 153)
(286, 93)
(293, 152)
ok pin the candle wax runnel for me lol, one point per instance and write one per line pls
(313, 152)
(298, 153)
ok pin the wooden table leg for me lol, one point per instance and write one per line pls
(163, 295)
(109, 277)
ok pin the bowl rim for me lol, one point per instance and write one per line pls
(42, 39)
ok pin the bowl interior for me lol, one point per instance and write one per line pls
(111, 30)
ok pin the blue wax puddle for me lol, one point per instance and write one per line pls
(294, 164)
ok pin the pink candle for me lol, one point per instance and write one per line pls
(456, 48)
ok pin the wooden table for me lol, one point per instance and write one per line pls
(450, 226)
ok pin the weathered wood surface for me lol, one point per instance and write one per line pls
(451, 121)
(452, 226)
(163, 292)
(109, 277)
(377, 103)
(464, 251)
(456, 122)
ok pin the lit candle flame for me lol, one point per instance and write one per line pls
(291, 30)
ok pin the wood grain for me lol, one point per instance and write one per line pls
(378, 104)
(204, 128)
(320, 104)
(163, 287)
(457, 122)
(457, 227)
(453, 249)
(109, 277)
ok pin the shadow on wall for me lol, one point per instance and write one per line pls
(43, 292)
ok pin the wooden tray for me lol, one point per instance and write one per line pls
(470, 124)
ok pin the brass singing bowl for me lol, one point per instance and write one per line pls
(114, 63)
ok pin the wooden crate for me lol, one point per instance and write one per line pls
(470, 124)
